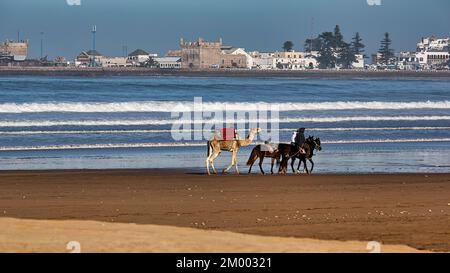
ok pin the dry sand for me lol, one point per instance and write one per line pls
(402, 209)
(92, 236)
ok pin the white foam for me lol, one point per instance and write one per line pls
(166, 131)
(198, 144)
(126, 122)
(182, 106)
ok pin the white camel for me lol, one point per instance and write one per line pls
(216, 146)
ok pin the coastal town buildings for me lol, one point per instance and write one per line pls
(139, 56)
(295, 60)
(168, 62)
(202, 54)
(359, 64)
(88, 58)
(262, 60)
(407, 61)
(433, 52)
(114, 62)
(14, 51)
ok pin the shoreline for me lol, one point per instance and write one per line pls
(332, 74)
(394, 209)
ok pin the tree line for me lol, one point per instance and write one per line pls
(334, 51)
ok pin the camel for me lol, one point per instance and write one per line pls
(216, 146)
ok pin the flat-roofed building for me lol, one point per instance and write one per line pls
(263, 60)
(140, 56)
(208, 55)
(295, 60)
(168, 62)
(16, 51)
(115, 62)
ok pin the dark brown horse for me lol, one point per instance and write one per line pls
(290, 151)
(261, 151)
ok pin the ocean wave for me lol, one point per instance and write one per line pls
(166, 131)
(198, 144)
(183, 106)
(130, 122)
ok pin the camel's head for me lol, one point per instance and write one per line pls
(256, 130)
(253, 132)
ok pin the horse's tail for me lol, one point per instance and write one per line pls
(253, 156)
(278, 158)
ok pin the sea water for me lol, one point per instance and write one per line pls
(365, 125)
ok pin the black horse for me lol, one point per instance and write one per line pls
(290, 151)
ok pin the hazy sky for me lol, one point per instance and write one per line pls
(157, 25)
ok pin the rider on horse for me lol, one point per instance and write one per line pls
(298, 139)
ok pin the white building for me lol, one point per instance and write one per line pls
(433, 44)
(433, 52)
(359, 64)
(407, 61)
(293, 60)
(168, 62)
(139, 56)
(115, 62)
(262, 61)
(240, 51)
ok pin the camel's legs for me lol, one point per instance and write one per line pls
(207, 163)
(214, 156)
(233, 162)
(231, 165)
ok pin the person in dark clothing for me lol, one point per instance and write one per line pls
(299, 139)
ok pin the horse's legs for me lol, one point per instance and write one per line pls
(312, 165)
(283, 165)
(292, 164)
(271, 167)
(306, 167)
(251, 165)
(299, 164)
(261, 159)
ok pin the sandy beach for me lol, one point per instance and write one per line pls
(407, 210)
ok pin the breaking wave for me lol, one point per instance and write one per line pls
(166, 131)
(182, 106)
(129, 122)
(196, 144)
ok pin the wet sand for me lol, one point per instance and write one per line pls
(397, 209)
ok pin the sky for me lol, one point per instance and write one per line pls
(157, 25)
